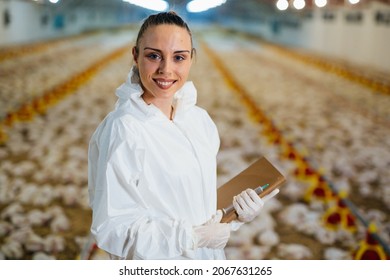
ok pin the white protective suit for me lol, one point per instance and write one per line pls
(151, 179)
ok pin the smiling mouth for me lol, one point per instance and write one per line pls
(164, 84)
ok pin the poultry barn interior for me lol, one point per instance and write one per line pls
(304, 83)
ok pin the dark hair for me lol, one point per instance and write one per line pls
(163, 18)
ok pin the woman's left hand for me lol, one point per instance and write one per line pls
(248, 204)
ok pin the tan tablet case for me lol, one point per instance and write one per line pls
(259, 173)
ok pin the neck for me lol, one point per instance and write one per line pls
(164, 104)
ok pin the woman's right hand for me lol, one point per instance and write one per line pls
(212, 234)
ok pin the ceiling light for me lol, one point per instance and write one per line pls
(155, 5)
(197, 6)
(282, 5)
(299, 4)
(321, 3)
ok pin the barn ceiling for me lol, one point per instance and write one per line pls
(181, 4)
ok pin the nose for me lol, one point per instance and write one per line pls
(165, 67)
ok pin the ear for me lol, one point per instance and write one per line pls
(135, 54)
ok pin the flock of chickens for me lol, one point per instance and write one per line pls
(326, 133)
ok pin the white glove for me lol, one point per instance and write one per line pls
(212, 234)
(216, 218)
(248, 204)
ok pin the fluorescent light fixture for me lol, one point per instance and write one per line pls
(54, 1)
(197, 6)
(299, 4)
(320, 3)
(282, 5)
(155, 5)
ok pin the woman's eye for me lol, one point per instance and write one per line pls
(179, 58)
(153, 56)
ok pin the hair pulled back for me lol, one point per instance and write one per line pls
(162, 18)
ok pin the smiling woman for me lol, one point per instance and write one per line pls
(152, 161)
(163, 64)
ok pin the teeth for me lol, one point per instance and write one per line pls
(164, 83)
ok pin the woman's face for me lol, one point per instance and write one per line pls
(164, 61)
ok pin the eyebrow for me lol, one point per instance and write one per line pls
(157, 50)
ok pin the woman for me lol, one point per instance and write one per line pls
(152, 161)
